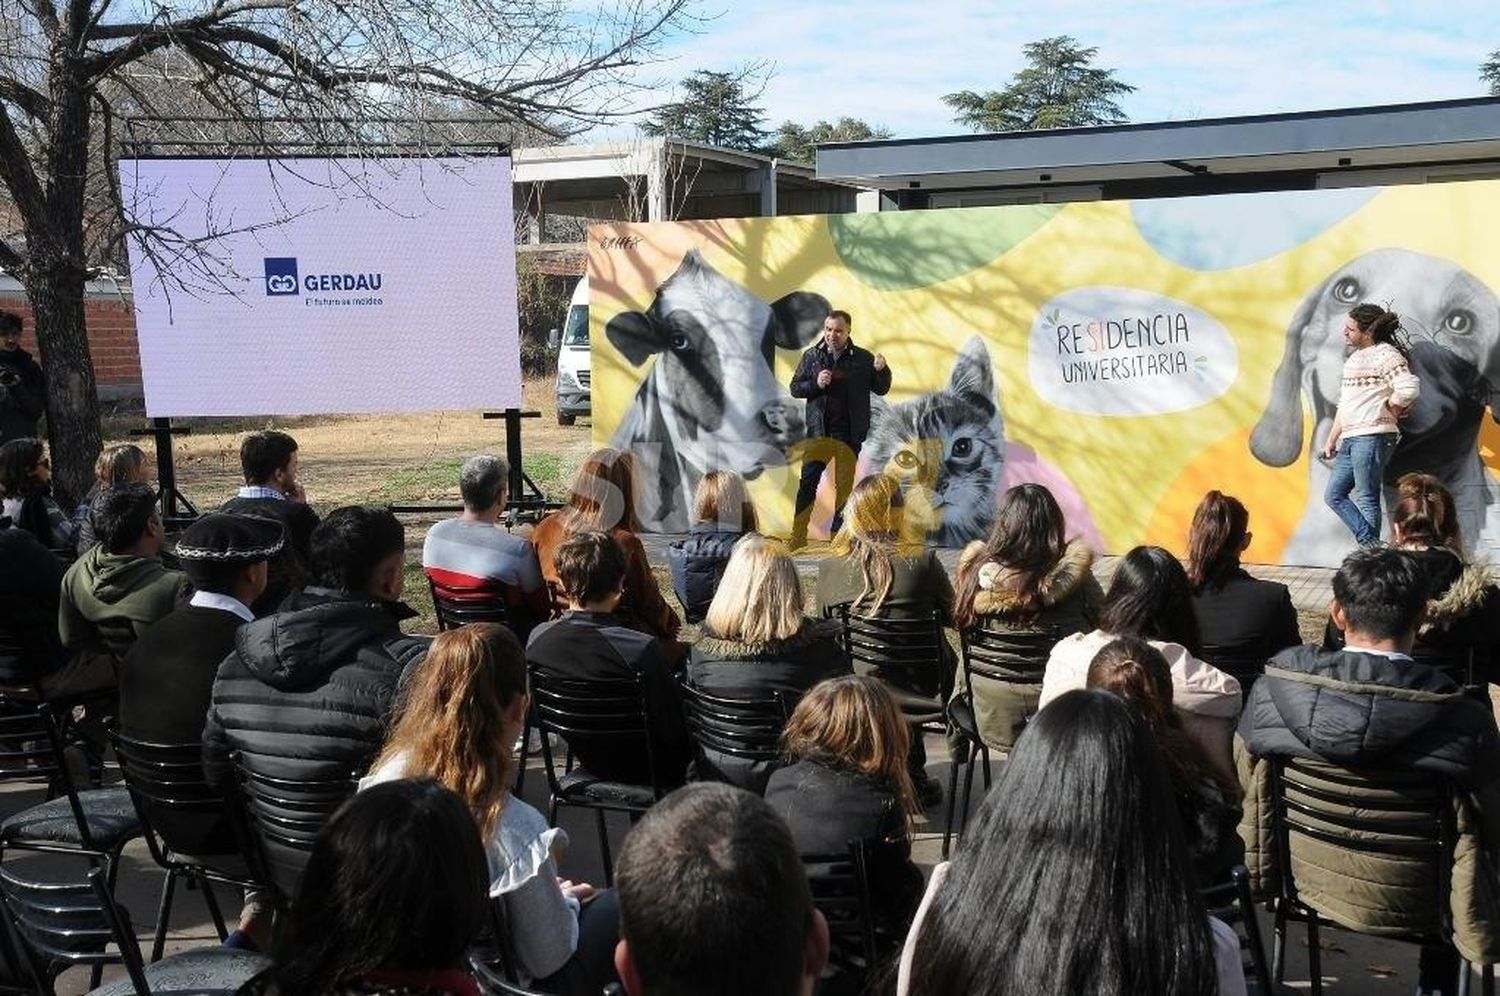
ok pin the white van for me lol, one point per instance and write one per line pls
(572, 345)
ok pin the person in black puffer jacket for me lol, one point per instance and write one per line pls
(722, 515)
(30, 586)
(1460, 631)
(756, 643)
(308, 692)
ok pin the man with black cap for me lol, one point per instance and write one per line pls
(167, 677)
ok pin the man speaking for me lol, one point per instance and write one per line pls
(836, 377)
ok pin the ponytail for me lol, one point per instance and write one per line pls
(1219, 528)
(1381, 325)
(1426, 513)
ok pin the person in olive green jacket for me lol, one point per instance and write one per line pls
(1027, 587)
(1370, 706)
(116, 590)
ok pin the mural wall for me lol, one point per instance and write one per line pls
(1129, 355)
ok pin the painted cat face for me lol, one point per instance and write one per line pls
(948, 450)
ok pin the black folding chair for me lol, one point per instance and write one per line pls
(457, 607)
(1231, 902)
(492, 959)
(734, 729)
(840, 886)
(96, 823)
(284, 816)
(61, 925)
(1401, 816)
(166, 780)
(589, 715)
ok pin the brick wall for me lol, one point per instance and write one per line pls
(112, 342)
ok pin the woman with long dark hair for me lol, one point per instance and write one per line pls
(1376, 389)
(1460, 631)
(26, 495)
(1244, 620)
(603, 500)
(1026, 586)
(1149, 598)
(1208, 800)
(392, 898)
(1074, 877)
(881, 568)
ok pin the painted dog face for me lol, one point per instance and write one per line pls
(715, 345)
(1436, 299)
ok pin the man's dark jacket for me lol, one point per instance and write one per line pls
(860, 380)
(30, 586)
(21, 403)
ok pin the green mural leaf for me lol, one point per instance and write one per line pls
(900, 250)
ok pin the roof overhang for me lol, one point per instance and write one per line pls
(1400, 135)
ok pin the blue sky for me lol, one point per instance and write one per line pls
(890, 62)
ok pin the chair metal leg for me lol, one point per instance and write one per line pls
(1487, 980)
(163, 915)
(212, 902)
(1278, 946)
(1252, 931)
(609, 865)
(963, 820)
(1465, 971)
(1314, 955)
(984, 752)
(521, 761)
(952, 803)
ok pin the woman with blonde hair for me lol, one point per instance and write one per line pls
(603, 499)
(722, 513)
(124, 464)
(757, 642)
(881, 569)
(463, 711)
(847, 779)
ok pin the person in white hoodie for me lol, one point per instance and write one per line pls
(1149, 598)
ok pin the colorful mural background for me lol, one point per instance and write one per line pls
(1133, 345)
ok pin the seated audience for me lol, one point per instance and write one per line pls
(1026, 587)
(308, 692)
(272, 490)
(591, 642)
(722, 513)
(1149, 599)
(462, 714)
(1370, 705)
(472, 556)
(756, 643)
(1208, 801)
(1242, 620)
(847, 743)
(26, 495)
(392, 900)
(119, 589)
(881, 568)
(30, 583)
(116, 465)
(713, 900)
(1073, 877)
(1460, 630)
(603, 499)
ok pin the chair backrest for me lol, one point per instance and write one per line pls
(910, 653)
(285, 815)
(492, 957)
(594, 716)
(1230, 902)
(31, 749)
(1394, 820)
(457, 607)
(743, 728)
(62, 924)
(840, 886)
(998, 656)
(167, 785)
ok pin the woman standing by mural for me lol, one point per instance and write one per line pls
(1377, 388)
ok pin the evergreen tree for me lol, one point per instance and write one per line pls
(1490, 72)
(1059, 88)
(715, 109)
(793, 141)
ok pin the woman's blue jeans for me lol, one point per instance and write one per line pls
(1354, 484)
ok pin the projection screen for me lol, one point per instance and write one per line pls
(307, 286)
